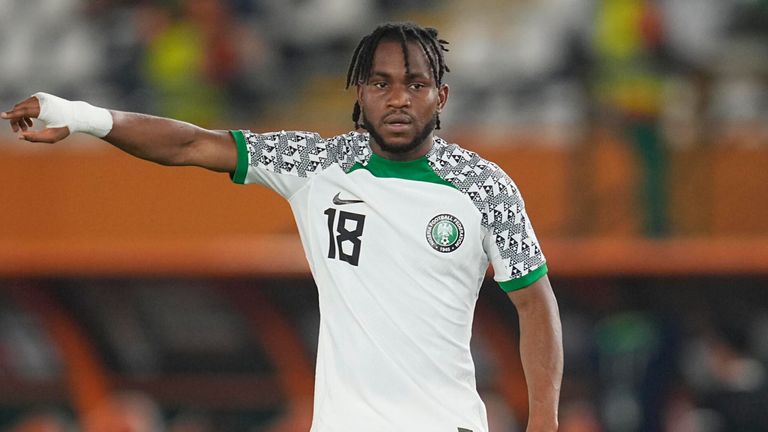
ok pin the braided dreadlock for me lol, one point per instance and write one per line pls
(362, 59)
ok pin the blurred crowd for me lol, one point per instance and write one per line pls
(554, 66)
(205, 61)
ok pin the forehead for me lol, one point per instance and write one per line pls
(389, 58)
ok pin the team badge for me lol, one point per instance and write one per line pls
(445, 233)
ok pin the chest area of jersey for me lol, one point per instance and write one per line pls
(360, 218)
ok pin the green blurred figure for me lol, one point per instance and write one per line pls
(628, 71)
(190, 59)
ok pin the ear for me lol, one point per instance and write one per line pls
(442, 96)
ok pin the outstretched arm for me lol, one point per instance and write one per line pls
(162, 140)
(172, 142)
(541, 351)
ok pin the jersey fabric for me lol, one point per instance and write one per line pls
(398, 251)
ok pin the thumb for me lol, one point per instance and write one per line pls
(48, 135)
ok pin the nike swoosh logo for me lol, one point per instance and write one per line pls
(340, 201)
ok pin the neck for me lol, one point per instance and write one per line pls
(412, 154)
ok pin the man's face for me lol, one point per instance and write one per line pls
(399, 108)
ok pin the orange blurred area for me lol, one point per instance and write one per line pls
(71, 209)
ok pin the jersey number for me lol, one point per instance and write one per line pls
(341, 236)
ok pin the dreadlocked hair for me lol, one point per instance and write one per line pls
(362, 59)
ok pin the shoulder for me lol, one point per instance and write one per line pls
(297, 146)
(350, 148)
(353, 143)
(483, 181)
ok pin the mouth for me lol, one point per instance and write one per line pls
(398, 122)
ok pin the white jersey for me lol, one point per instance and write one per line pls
(398, 251)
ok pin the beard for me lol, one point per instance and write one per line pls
(400, 149)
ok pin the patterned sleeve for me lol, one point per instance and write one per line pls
(285, 161)
(510, 243)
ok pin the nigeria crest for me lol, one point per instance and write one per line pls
(445, 233)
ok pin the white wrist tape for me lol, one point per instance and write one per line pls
(78, 116)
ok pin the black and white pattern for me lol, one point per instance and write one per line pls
(498, 200)
(304, 154)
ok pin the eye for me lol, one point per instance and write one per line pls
(417, 86)
(380, 85)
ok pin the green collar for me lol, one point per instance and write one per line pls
(417, 169)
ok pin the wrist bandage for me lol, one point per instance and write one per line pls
(78, 116)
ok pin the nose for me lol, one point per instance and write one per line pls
(399, 97)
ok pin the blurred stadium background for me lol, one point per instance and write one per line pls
(140, 298)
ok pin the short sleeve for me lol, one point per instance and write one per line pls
(285, 161)
(510, 242)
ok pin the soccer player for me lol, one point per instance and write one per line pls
(398, 226)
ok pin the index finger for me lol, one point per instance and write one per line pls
(29, 107)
